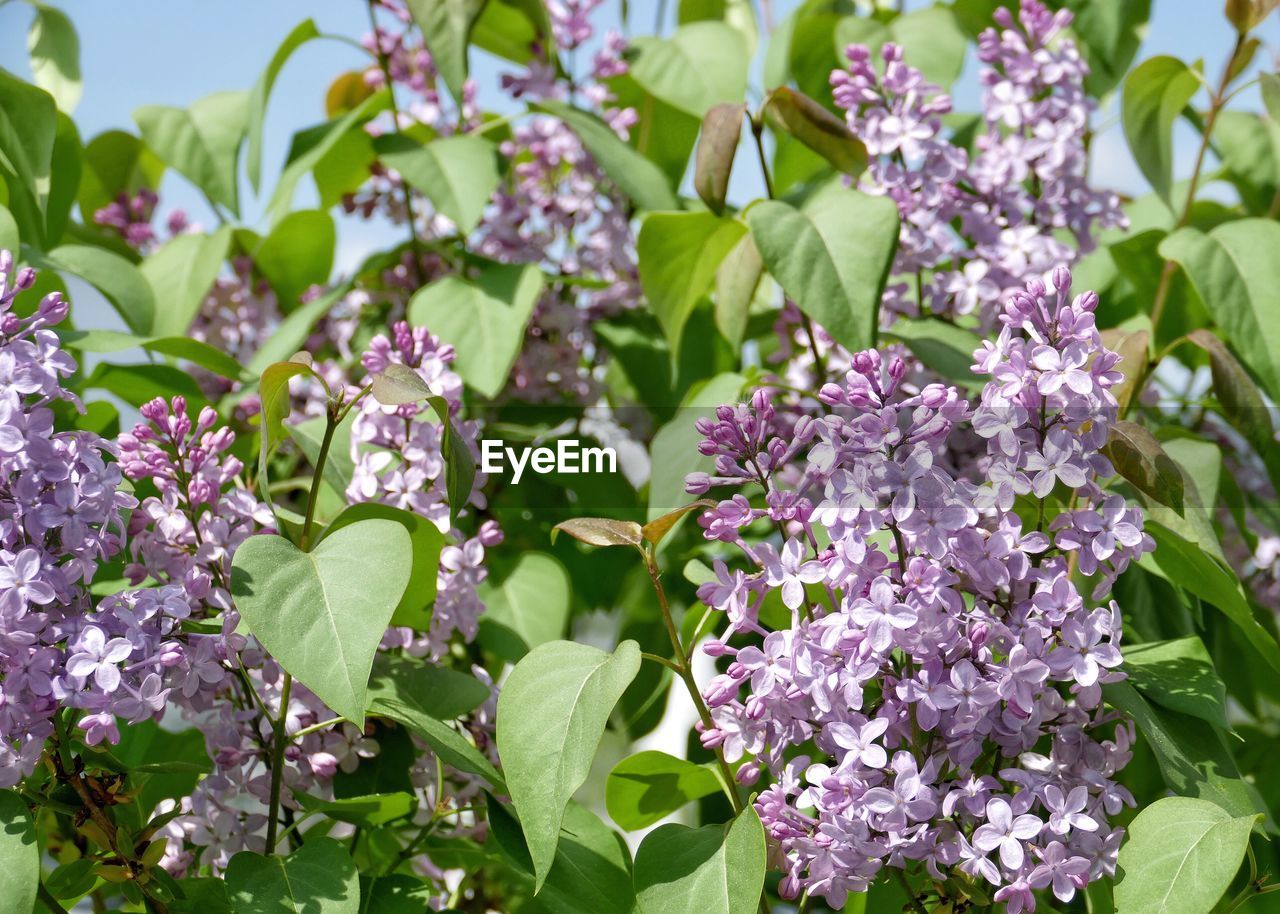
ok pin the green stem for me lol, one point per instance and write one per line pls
(757, 132)
(685, 672)
(277, 762)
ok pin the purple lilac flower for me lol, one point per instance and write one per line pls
(943, 709)
(61, 515)
(1016, 199)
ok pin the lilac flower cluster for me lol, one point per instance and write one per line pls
(1016, 199)
(61, 515)
(932, 700)
(399, 460)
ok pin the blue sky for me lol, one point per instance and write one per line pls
(137, 52)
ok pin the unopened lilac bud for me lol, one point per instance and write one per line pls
(714, 647)
(53, 307)
(1087, 301)
(490, 534)
(1061, 279)
(1035, 287)
(25, 279)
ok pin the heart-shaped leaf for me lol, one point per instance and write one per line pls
(414, 609)
(322, 613)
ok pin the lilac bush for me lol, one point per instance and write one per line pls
(903, 577)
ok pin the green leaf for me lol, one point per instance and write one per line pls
(21, 855)
(445, 693)
(700, 65)
(527, 608)
(942, 346)
(650, 785)
(414, 608)
(9, 240)
(717, 145)
(673, 453)
(1237, 277)
(1154, 94)
(297, 254)
(117, 279)
(678, 255)
(274, 391)
(552, 712)
(1270, 85)
(458, 174)
(1188, 566)
(1180, 676)
(737, 14)
(65, 171)
(591, 871)
(1193, 757)
(832, 258)
(318, 878)
(516, 30)
(484, 318)
(715, 869)
(322, 613)
(181, 274)
(369, 811)
(28, 125)
(55, 56)
(1139, 458)
(202, 143)
(1180, 857)
(635, 176)
(180, 347)
(115, 163)
(303, 32)
(414, 701)
(309, 147)
(737, 281)
(446, 25)
(795, 113)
